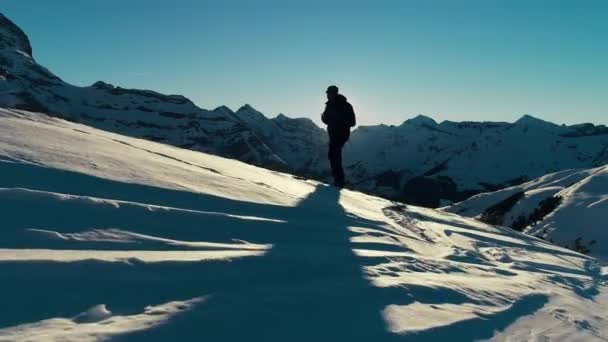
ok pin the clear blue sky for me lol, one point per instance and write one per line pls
(454, 60)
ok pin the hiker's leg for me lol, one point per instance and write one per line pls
(339, 174)
(335, 161)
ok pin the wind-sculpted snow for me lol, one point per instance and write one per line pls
(110, 237)
(96, 324)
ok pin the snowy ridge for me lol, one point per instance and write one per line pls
(568, 207)
(107, 236)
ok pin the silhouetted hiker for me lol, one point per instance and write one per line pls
(339, 117)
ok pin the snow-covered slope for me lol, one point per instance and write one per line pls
(568, 207)
(106, 236)
(420, 161)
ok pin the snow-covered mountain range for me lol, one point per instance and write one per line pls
(568, 207)
(427, 161)
(420, 161)
(109, 237)
(171, 119)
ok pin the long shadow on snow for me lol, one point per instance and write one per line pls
(310, 286)
(322, 296)
(295, 292)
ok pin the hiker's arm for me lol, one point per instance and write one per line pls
(324, 116)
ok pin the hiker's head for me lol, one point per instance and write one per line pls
(332, 92)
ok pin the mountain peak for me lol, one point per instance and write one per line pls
(224, 110)
(421, 120)
(529, 120)
(307, 122)
(247, 108)
(11, 36)
(250, 114)
(102, 85)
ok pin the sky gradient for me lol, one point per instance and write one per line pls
(451, 60)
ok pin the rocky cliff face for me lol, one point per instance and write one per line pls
(12, 37)
(420, 161)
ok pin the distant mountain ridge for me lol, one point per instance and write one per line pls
(172, 119)
(420, 161)
(456, 160)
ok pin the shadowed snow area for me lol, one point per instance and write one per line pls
(108, 237)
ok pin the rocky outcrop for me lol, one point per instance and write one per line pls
(12, 37)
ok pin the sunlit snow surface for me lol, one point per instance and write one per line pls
(108, 237)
